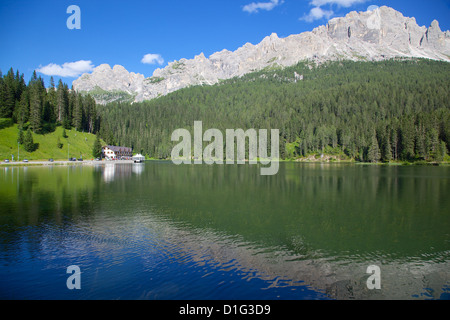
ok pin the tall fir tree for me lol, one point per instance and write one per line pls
(52, 100)
(23, 109)
(9, 95)
(442, 151)
(373, 154)
(387, 150)
(77, 120)
(2, 96)
(67, 118)
(90, 114)
(97, 149)
(394, 142)
(28, 142)
(35, 107)
(407, 135)
(61, 108)
(20, 136)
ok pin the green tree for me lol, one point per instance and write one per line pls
(407, 139)
(61, 102)
(35, 106)
(2, 97)
(441, 151)
(374, 150)
(77, 120)
(52, 100)
(22, 111)
(8, 95)
(28, 141)
(388, 151)
(97, 149)
(20, 137)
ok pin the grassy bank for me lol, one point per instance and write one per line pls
(77, 144)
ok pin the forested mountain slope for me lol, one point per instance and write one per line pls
(369, 111)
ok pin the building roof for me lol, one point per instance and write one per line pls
(119, 149)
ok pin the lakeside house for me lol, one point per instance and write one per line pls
(117, 153)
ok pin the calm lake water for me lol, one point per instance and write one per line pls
(160, 231)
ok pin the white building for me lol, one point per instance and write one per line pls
(117, 153)
(138, 158)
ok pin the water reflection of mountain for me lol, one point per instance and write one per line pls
(314, 225)
(335, 277)
(337, 209)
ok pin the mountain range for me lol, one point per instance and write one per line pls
(380, 34)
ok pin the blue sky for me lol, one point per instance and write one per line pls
(145, 35)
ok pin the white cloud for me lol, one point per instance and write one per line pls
(318, 12)
(341, 3)
(254, 7)
(68, 69)
(152, 58)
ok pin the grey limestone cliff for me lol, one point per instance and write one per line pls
(380, 34)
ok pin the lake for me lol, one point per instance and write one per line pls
(159, 231)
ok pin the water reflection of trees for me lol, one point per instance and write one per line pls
(335, 208)
(30, 196)
(307, 212)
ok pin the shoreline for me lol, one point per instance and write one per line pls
(63, 163)
(96, 163)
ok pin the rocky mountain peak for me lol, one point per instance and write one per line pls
(383, 33)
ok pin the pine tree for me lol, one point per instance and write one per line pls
(394, 143)
(91, 114)
(19, 85)
(443, 147)
(387, 151)
(52, 101)
(9, 95)
(433, 141)
(28, 141)
(374, 151)
(67, 118)
(2, 96)
(60, 102)
(441, 151)
(77, 120)
(35, 108)
(407, 139)
(20, 137)
(22, 111)
(97, 149)
(34, 78)
(8, 102)
(72, 98)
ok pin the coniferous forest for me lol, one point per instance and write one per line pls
(367, 111)
(397, 110)
(39, 109)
